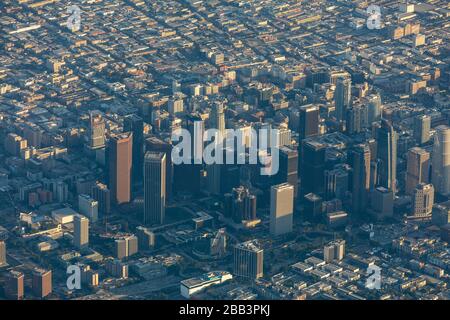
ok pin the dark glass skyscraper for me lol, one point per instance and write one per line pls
(309, 121)
(135, 124)
(154, 188)
(342, 97)
(312, 167)
(288, 171)
(360, 161)
(387, 155)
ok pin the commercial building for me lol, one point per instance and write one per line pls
(281, 209)
(248, 260)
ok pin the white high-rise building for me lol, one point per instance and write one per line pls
(81, 231)
(88, 207)
(281, 208)
(441, 160)
(423, 200)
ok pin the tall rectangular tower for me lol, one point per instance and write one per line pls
(120, 159)
(281, 209)
(81, 231)
(154, 187)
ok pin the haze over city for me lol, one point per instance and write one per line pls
(224, 150)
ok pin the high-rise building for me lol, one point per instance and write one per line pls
(312, 206)
(14, 144)
(312, 167)
(309, 121)
(157, 145)
(356, 118)
(382, 202)
(288, 170)
(213, 178)
(337, 181)
(188, 177)
(248, 260)
(342, 97)
(218, 118)
(441, 160)
(387, 154)
(117, 268)
(374, 108)
(281, 209)
(422, 126)
(360, 162)
(14, 288)
(81, 231)
(423, 200)
(88, 207)
(120, 159)
(102, 195)
(441, 213)
(196, 128)
(96, 131)
(240, 205)
(334, 250)
(121, 248)
(42, 282)
(146, 238)
(135, 124)
(126, 246)
(175, 105)
(418, 168)
(2, 253)
(154, 187)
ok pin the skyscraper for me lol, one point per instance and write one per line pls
(240, 205)
(135, 124)
(356, 119)
(418, 168)
(312, 167)
(382, 202)
(213, 178)
(146, 238)
(42, 282)
(157, 145)
(14, 288)
(288, 171)
(102, 195)
(248, 260)
(217, 118)
(423, 200)
(281, 209)
(88, 207)
(422, 126)
(96, 130)
(374, 108)
(81, 231)
(309, 121)
(342, 97)
(360, 162)
(196, 128)
(337, 181)
(120, 159)
(387, 155)
(154, 187)
(126, 246)
(334, 250)
(441, 160)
